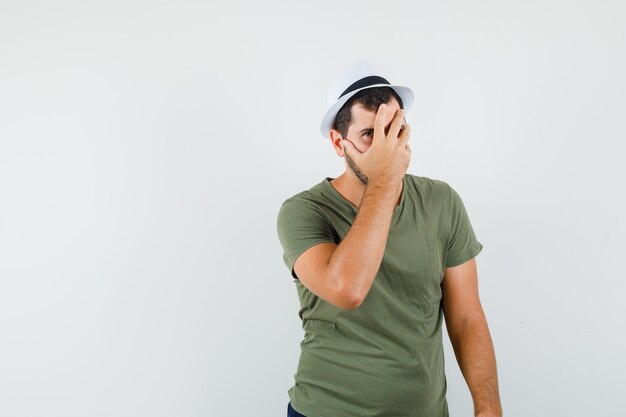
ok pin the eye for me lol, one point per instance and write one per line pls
(367, 133)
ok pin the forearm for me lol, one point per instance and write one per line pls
(357, 258)
(474, 351)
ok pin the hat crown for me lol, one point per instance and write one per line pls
(360, 69)
(357, 77)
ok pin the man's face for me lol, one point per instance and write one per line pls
(361, 131)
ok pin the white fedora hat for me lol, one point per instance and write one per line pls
(357, 77)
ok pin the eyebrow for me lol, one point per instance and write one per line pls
(367, 129)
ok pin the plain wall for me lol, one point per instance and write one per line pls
(146, 147)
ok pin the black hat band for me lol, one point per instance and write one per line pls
(364, 82)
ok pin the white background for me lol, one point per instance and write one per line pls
(146, 146)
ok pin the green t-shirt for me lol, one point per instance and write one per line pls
(384, 358)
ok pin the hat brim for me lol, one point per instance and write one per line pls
(405, 93)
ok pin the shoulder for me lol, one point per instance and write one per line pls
(303, 206)
(304, 199)
(430, 188)
(428, 182)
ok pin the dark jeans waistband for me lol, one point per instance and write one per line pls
(291, 412)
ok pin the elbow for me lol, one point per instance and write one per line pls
(356, 304)
(350, 299)
(346, 297)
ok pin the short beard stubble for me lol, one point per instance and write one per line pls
(360, 175)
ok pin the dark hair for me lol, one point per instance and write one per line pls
(370, 99)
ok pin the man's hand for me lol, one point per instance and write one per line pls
(387, 159)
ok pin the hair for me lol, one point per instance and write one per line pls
(370, 99)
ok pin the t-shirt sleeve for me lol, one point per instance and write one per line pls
(301, 225)
(462, 242)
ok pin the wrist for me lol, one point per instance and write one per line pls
(489, 412)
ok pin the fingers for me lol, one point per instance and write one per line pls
(396, 123)
(403, 138)
(380, 122)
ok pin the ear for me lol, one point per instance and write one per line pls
(335, 139)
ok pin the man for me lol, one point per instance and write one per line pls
(379, 258)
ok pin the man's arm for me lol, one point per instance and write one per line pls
(470, 337)
(348, 274)
(343, 274)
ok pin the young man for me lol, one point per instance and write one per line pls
(380, 257)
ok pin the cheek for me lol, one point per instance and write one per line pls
(364, 145)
